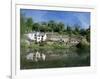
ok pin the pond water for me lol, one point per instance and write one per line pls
(33, 59)
(38, 56)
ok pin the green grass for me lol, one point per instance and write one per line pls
(48, 46)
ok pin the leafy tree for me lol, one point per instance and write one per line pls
(52, 25)
(60, 27)
(83, 47)
(69, 29)
(22, 24)
(44, 24)
(76, 29)
(83, 32)
(43, 27)
(29, 24)
(36, 27)
(88, 34)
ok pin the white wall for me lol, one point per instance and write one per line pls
(5, 34)
(89, 2)
(5, 39)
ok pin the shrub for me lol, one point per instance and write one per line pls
(83, 48)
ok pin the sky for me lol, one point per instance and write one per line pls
(67, 17)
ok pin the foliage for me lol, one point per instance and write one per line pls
(22, 24)
(28, 25)
(83, 47)
(36, 27)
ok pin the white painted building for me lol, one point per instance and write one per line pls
(37, 36)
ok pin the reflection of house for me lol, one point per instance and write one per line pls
(37, 36)
(36, 56)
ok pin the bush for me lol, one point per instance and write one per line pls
(42, 43)
(83, 48)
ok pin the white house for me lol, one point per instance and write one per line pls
(37, 36)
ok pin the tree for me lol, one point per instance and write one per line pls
(29, 24)
(88, 34)
(83, 32)
(36, 27)
(43, 27)
(44, 24)
(22, 24)
(76, 29)
(69, 29)
(60, 27)
(52, 25)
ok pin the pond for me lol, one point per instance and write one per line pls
(42, 58)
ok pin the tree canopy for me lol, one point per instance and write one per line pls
(29, 25)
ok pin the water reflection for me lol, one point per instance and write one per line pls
(49, 55)
(43, 58)
(36, 56)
